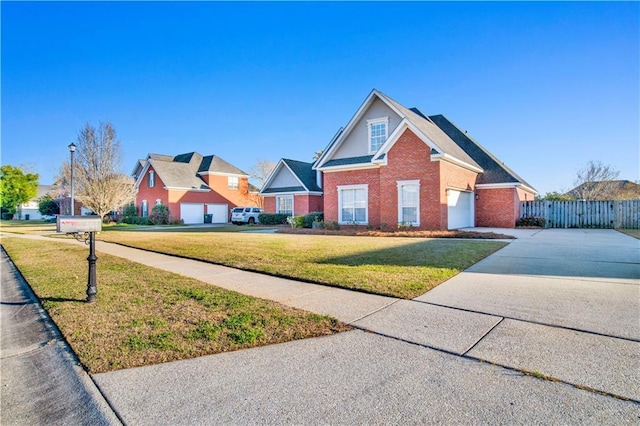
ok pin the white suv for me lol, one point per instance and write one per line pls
(240, 215)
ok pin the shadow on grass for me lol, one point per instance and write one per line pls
(431, 253)
(61, 299)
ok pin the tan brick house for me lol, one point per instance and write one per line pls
(394, 165)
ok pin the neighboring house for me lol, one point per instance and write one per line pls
(29, 210)
(191, 185)
(607, 190)
(292, 188)
(393, 165)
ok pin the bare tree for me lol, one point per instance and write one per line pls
(596, 181)
(98, 182)
(261, 171)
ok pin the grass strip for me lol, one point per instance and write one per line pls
(147, 316)
(391, 266)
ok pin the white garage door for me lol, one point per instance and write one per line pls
(460, 209)
(219, 212)
(192, 213)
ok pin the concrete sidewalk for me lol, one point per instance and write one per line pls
(421, 360)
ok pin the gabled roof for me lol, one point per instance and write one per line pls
(447, 141)
(441, 144)
(215, 164)
(494, 171)
(303, 173)
(184, 171)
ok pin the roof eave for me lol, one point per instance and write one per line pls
(506, 185)
(448, 158)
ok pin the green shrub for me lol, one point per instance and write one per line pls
(130, 211)
(296, 221)
(312, 217)
(136, 220)
(159, 215)
(48, 206)
(273, 218)
(333, 226)
(531, 221)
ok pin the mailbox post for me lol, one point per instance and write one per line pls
(83, 228)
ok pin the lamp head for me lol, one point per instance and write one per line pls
(72, 147)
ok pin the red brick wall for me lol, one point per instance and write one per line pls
(408, 159)
(269, 204)
(150, 194)
(302, 204)
(354, 177)
(500, 207)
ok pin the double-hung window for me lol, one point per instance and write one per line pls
(284, 204)
(353, 204)
(233, 182)
(378, 128)
(152, 179)
(409, 202)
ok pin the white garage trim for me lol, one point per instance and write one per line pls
(192, 213)
(219, 212)
(460, 208)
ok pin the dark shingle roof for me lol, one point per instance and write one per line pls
(284, 189)
(494, 170)
(213, 163)
(348, 161)
(305, 173)
(183, 170)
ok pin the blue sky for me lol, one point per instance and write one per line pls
(546, 86)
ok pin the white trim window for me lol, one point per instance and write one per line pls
(378, 132)
(144, 209)
(353, 202)
(232, 182)
(152, 179)
(284, 204)
(409, 202)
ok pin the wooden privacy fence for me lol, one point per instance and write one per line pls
(584, 214)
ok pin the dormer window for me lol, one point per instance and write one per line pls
(378, 128)
(152, 179)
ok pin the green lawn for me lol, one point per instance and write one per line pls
(393, 266)
(147, 316)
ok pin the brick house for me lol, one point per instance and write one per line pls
(394, 165)
(292, 188)
(191, 185)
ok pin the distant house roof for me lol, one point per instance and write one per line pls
(185, 170)
(612, 189)
(302, 172)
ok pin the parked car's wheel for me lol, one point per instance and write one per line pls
(252, 221)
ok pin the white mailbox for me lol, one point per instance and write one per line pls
(72, 224)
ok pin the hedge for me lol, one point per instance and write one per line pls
(273, 218)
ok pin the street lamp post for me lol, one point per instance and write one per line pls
(72, 149)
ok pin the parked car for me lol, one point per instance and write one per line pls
(240, 215)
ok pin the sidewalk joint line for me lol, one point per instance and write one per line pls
(375, 311)
(473, 345)
(563, 327)
(506, 367)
